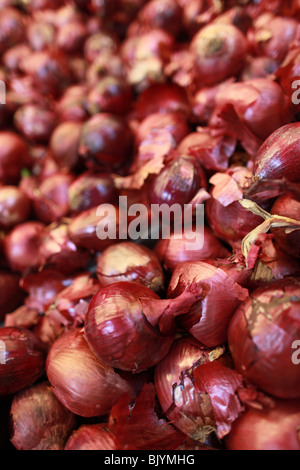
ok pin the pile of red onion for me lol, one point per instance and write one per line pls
(134, 341)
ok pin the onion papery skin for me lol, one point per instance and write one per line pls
(208, 319)
(85, 385)
(278, 157)
(38, 419)
(91, 437)
(174, 250)
(188, 410)
(270, 428)
(118, 331)
(129, 261)
(287, 205)
(261, 334)
(23, 361)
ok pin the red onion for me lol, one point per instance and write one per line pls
(178, 182)
(64, 144)
(163, 98)
(198, 412)
(212, 152)
(15, 206)
(71, 37)
(155, 43)
(83, 384)
(226, 217)
(100, 141)
(100, 43)
(14, 156)
(11, 294)
(236, 16)
(144, 57)
(272, 35)
(104, 8)
(251, 111)
(70, 304)
(59, 252)
(110, 95)
(22, 246)
(204, 102)
(38, 419)
(219, 52)
(42, 287)
(159, 14)
(278, 156)
(103, 65)
(22, 317)
(35, 123)
(118, 331)
(91, 437)
(287, 205)
(12, 27)
(22, 359)
(83, 228)
(129, 261)
(259, 67)
(71, 105)
(90, 190)
(174, 123)
(219, 297)
(174, 250)
(271, 428)
(261, 336)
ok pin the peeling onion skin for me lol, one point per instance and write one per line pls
(261, 335)
(118, 332)
(274, 428)
(278, 157)
(129, 261)
(185, 407)
(209, 318)
(91, 437)
(74, 372)
(38, 419)
(24, 359)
